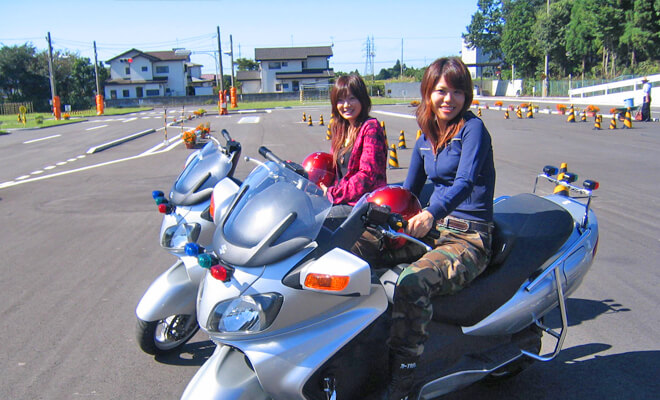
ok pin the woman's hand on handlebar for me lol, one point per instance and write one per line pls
(420, 225)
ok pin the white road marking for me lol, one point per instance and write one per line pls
(96, 127)
(37, 172)
(249, 120)
(40, 139)
(130, 119)
(49, 167)
(24, 178)
(392, 114)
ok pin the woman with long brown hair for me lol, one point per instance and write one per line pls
(358, 143)
(456, 155)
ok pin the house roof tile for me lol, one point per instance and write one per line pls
(291, 53)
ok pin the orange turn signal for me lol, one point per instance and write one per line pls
(333, 283)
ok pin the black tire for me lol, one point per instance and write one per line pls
(532, 344)
(165, 335)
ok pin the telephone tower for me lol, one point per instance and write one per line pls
(370, 55)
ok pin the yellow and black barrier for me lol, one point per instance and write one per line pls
(613, 122)
(561, 189)
(571, 114)
(597, 121)
(627, 120)
(402, 140)
(393, 160)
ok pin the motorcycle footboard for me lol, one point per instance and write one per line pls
(226, 375)
(467, 370)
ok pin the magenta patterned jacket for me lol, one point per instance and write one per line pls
(367, 164)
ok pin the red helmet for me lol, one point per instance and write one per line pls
(320, 168)
(401, 201)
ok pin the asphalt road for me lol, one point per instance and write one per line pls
(79, 246)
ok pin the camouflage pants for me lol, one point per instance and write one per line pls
(457, 258)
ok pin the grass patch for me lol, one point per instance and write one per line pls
(32, 120)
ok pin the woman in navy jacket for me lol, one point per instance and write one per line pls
(456, 155)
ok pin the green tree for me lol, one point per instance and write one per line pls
(641, 32)
(246, 64)
(20, 78)
(486, 26)
(550, 34)
(581, 34)
(518, 43)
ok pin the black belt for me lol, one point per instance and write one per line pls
(464, 225)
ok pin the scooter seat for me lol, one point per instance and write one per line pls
(529, 230)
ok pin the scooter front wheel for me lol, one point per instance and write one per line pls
(165, 335)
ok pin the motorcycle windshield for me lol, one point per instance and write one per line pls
(278, 212)
(196, 181)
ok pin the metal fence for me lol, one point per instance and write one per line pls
(14, 108)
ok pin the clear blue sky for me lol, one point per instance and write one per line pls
(429, 28)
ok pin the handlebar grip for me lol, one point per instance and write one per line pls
(225, 134)
(269, 155)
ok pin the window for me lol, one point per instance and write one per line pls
(163, 69)
(125, 93)
(153, 92)
(274, 65)
(128, 70)
(285, 64)
(113, 94)
(278, 87)
(285, 86)
(304, 65)
(145, 69)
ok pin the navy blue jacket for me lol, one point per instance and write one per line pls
(462, 173)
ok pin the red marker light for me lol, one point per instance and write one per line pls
(162, 208)
(130, 60)
(591, 185)
(220, 273)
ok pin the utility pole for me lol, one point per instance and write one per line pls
(222, 87)
(56, 100)
(50, 68)
(231, 54)
(544, 90)
(96, 71)
(401, 57)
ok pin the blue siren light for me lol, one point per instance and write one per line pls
(192, 249)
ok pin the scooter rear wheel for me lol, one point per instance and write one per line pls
(165, 335)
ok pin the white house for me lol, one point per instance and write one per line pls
(286, 69)
(138, 74)
(480, 64)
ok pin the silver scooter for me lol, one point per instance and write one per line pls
(295, 315)
(166, 314)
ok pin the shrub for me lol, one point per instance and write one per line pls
(561, 107)
(524, 105)
(39, 119)
(189, 137)
(498, 103)
(592, 108)
(414, 103)
(66, 116)
(475, 102)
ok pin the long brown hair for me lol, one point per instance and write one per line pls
(345, 86)
(457, 76)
